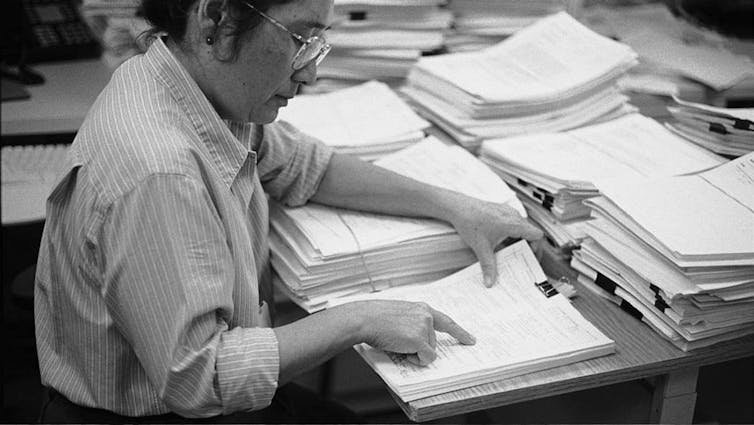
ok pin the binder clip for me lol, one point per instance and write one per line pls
(547, 288)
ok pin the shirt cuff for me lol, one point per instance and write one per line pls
(248, 366)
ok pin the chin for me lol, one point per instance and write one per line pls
(264, 117)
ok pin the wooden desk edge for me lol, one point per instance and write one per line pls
(493, 400)
(633, 340)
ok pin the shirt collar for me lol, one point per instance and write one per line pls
(228, 152)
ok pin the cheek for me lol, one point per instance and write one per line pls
(277, 62)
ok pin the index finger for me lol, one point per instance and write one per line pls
(487, 262)
(528, 231)
(443, 323)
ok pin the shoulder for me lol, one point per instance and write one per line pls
(135, 129)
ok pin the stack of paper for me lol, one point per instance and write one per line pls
(551, 76)
(671, 47)
(368, 120)
(678, 252)
(518, 329)
(321, 253)
(382, 39)
(117, 27)
(554, 172)
(727, 131)
(483, 23)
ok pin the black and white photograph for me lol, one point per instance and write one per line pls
(377, 211)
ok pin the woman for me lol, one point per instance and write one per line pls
(153, 278)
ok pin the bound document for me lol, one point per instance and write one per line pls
(521, 325)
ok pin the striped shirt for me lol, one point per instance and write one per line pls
(155, 249)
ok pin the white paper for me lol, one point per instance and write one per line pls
(516, 326)
(736, 179)
(546, 59)
(628, 148)
(716, 67)
(692, 219)
(740, 113)
(369, 113)
(336, 231)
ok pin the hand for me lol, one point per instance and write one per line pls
(408, 328)
(484, 226)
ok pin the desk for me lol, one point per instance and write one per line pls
(61, 103)
(640, 353)
(55, 107)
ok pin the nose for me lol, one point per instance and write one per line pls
(306, 75)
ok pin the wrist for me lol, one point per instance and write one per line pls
(355, 321)
(447, 205)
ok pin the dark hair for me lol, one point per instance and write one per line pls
(170, 16)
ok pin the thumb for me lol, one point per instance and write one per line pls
(486, 258)
(425, 355)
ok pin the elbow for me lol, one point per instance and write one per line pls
(186, 398)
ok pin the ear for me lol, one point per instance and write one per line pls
(211, 16)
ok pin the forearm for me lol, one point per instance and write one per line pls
(354, 184)
(396, 326)
(309, 342)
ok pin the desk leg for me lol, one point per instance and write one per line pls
(674, 397)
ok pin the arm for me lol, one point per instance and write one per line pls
(351, 183)
(168, 284)
(397, 326)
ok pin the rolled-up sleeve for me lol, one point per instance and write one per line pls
(168, 284)
(291, 164)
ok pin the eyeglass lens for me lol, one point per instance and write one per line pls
(315, 49)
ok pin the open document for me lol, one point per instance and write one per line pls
(520, 327)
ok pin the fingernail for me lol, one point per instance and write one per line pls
(488, 281)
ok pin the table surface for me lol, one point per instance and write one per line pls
(640, 353)
(61, 103)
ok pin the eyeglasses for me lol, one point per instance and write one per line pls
(314, 48)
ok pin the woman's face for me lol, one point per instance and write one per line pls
(261, 79)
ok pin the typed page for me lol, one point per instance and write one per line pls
(514, 323)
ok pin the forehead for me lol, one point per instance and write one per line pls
(304, 14)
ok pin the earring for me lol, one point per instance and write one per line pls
(210, 41)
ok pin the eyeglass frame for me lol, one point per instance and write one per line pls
(305, 42)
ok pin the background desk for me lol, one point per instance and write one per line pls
(640, 353)
(61, 103)
(56, 107)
